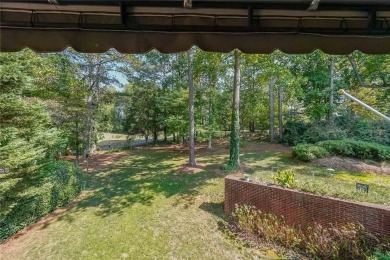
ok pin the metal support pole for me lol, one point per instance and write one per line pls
(342, 92)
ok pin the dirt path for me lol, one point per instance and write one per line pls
(98, 160)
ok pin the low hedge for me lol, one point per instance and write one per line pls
(350, 148)
(309, 152)
(35, 195)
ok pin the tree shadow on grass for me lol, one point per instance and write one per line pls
(214, 208)
(145, 174)
(139, 178)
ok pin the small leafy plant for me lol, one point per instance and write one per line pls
(284, 178)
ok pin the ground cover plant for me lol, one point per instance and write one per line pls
(350, 241)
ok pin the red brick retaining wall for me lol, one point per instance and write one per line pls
(304, 208)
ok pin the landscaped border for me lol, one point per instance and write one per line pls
(300, 208)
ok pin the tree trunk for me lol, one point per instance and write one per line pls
(271, 110)
(77, 144)
(165, 134)
(155, 136)
(331, 118)
(235, 131)
(191, 161)
(174, 137)
(252, 126)
(93, 89)
(209, 145)
(88, 126)
(280, 111)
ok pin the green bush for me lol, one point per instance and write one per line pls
(292, 132)
(25, 200)
(309, 152)
(344, 127)
(322, 132)
(350, 241)
(357, 149)
(349, 148)
(371, 131)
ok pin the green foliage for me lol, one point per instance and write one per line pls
(293, 131)
(350, 148)
(322, 132)
(26, 136)
(348, 241)
(309, 152)
(20, 156)
(380, 256)
(357, 149)
(228, 168)
(296, 132)
(371, 131)
(25, 200)
(284, 178)
(234, 160)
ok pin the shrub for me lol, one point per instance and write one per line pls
(350, 148)
(357, 149)
(292, 132)
(344, 127)
(309, 152)
(29, 198)
(322, 132)
(284, 178)
(349, 241)
(371, 131)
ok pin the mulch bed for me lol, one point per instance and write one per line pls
(354, 165)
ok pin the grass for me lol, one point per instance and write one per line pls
(142, 207)
(114, 139)
(318, 180)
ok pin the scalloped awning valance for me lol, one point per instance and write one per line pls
(258, 26)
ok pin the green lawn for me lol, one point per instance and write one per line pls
(142, 207)
(113, 139)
